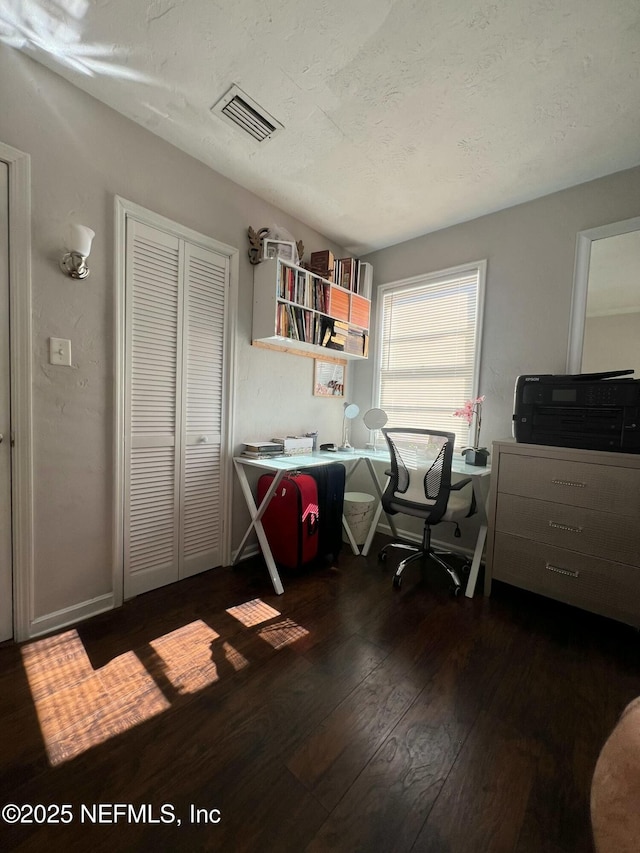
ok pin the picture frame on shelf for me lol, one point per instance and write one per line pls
(328, 379)
(282, 249)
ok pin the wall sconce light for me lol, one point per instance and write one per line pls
(74, 262)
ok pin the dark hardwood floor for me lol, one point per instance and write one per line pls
(343, 715)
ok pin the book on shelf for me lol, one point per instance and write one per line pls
(339, 334)
(322, 264)
(292, 323)
(326, 330)
(347, 273)
(354, 342)
(336, 342)
(320, 297)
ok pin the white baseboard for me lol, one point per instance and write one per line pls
(250, 551)
(70, 615)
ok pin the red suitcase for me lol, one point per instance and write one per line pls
(291, 519)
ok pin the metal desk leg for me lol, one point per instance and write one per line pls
(256, 514)
(479, 484)
(477, 557)
(345, 523)
(352, 541)
(378, 512)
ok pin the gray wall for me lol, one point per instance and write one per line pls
(82, 155)
(530, 251)
(612, 342)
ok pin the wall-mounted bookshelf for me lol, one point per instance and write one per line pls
(298, 311)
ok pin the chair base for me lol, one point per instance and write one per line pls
(418, 554)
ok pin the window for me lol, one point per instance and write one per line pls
(428, 355)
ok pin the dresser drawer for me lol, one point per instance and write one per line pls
(589, 531)
(615, 489)
(611, 589)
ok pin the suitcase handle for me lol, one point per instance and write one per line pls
(312, 518)
(312, 522)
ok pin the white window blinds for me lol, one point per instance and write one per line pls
(429, 348)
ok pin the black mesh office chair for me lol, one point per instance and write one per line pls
(420, 485)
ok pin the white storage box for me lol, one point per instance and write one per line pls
(294, 444)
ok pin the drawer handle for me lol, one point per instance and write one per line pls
(569, 483)
(560, 571)
(568, 527)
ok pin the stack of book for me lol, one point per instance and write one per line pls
(355, 341)
(322, 264)
(339, 334)
(262, 449)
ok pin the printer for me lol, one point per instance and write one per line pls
(595, 411)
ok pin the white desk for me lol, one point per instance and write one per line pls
(283, 465)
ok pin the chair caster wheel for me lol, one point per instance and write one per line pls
(382, 557)
(397, 581)
(455, 591)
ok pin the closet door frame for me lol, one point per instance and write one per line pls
(21, 359)
(123, 210)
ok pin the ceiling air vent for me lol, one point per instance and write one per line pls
(238, 108)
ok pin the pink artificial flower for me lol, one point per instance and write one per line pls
(469, 409)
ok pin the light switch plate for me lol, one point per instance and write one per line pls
(60, 351)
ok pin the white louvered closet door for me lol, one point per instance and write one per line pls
(206, 274)
(175, 309)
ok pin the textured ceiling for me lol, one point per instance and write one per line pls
(400, 116)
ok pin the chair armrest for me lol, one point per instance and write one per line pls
(455, 487)
(460, 485)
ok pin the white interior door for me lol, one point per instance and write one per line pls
(206, 287)
(174, 407)
(6, 575)
(153, 319)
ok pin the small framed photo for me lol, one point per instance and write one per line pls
(328, 380)
(279, 249)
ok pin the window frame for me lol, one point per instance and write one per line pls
(479, 267)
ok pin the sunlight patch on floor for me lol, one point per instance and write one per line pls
(186, 657)
(281, 634)
(79, 707)
(253, 612)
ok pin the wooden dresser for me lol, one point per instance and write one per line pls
(566, 523)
